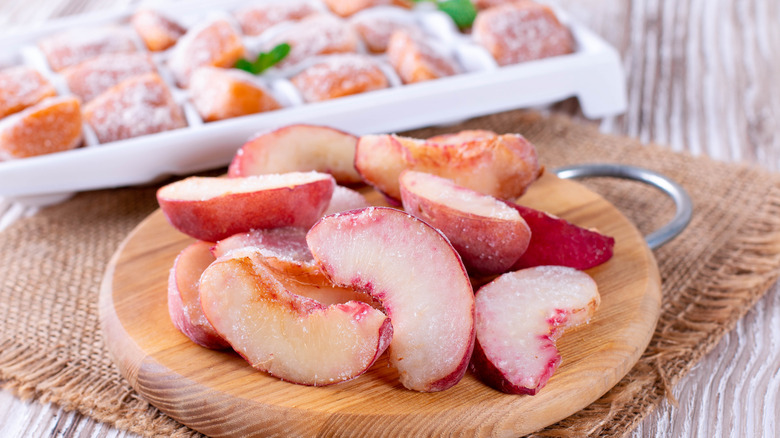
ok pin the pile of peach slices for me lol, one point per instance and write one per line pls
(309, 283)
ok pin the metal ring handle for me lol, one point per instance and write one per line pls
(678, 194)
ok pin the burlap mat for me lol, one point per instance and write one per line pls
(51, 347)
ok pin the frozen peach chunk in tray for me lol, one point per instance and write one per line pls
(339, 75)
(417, 58)
(220, 93)
(213, 43)
(77, 45)
(521, 31)
(376, 26)
(138, 106)
(346, 8)
(315, 35)
(21, 87)
(157, 31)
(256, 19)
(52, 125)
(90, 78)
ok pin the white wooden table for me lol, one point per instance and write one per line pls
(702, 77)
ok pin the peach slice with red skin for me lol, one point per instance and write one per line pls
(299, 147)
(519, 316)
(555, 241)
(288, 335)
(502, 166)
(184, 298)
(414, 272)
(488, 234)
(212, 209)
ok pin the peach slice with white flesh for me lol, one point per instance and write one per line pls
(287, 335)
(414, 272)
(298, 148)
(209, 208)
(519, 316)
(488, 234)
(286, 253)
(184, 298)
(555, 241)
(502, 166)
(284, 249)
(345, 199)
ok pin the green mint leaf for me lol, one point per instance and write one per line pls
(264, 61)
(462, 12)
(243, 64)
(273, 57)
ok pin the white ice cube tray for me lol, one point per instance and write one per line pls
(593, 74)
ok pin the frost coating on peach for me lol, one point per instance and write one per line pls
(215, 208)
(298, 147)
(489, 235)
(288, 335)
(520, 315)
(417, 276)
(203, 188)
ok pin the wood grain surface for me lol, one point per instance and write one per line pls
(701, 77)
(219, 394)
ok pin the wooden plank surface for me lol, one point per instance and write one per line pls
(701, 78)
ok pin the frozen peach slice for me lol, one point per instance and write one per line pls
(220, 93)
(346, 8)
(52, 125)
(413, 271)
(555, 241)
(212, 209)
(213, 43)
(488, 234)
(184, 299)
(338, 76)
(298, 148)
(345, 199)
(285, 253)
(521, 31)
(376, 26)
(502, 166)
(318, 34)
(94, 76)
(22, 87)
(137, 106)
(285, 334)
(77, 45)
(416, 58)
(157, 31)
(258, 18)
(520, 315)
(284, 249)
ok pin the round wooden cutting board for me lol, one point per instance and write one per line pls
(219, 394)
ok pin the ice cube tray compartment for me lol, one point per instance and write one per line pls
(593, 73)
